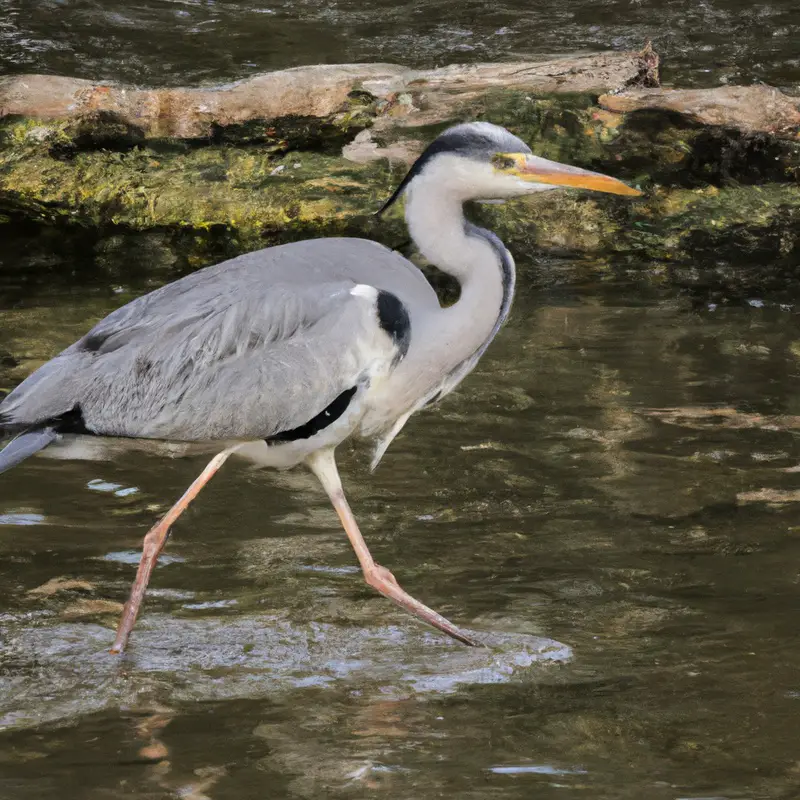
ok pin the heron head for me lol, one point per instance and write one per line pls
(482, 161)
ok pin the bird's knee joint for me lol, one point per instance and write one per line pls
(152, 543)
(379, 576)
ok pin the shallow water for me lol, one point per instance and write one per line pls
(610, 501)
(185, 41)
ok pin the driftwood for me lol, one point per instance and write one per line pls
(314, 92)
(758, 108)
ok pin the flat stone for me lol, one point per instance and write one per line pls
(63, 670)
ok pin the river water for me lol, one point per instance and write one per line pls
(702, 43)
(609, 502)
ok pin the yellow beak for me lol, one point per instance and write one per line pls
(540, 170)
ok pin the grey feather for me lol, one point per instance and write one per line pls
(241, 350)
(24, 446)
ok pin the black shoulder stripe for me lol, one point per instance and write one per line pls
(327, 416)
(72, 422)
(393, 318)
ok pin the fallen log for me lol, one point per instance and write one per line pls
(346, 95)
(757, 108)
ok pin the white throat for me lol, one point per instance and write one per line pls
(435, 219)
(485, 272)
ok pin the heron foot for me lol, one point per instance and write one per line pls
(323, 465)
(383, 581)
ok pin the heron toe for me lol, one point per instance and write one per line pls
(383, 581)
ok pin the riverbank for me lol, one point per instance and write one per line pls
(313, 151)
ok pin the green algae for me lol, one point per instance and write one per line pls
(709, 193)
(244, 189)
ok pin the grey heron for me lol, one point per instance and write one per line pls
(280, 355)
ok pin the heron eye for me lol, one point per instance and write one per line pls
(500, 161)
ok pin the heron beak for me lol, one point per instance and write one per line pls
(539, 170)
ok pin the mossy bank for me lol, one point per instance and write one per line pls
(714, 194)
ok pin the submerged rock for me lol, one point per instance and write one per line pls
(56, 671)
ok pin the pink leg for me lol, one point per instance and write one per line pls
(324, 467)
(153, 545)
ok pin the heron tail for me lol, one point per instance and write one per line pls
(25, 445)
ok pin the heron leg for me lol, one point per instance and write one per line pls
(154, 543)
(323, 465)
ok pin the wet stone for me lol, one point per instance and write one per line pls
(61, 669)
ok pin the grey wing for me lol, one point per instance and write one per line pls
(230, 362)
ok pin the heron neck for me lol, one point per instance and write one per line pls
(436, 222)
(478, 261)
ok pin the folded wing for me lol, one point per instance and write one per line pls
(211, 362)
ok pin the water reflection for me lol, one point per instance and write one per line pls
(610, 501)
